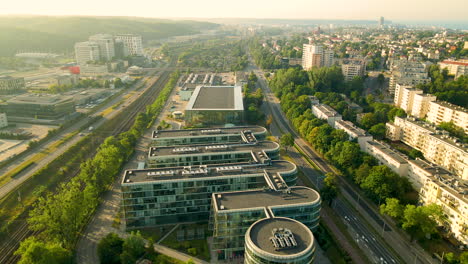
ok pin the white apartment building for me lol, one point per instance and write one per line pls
(440, 111)
(420, 171)
(399, 93)
(316, 56)
(132, 43)
(408, 73)
(3, 120)
(421, 103)
(455, 68)
(325, 112)
(352, 68)
(106, 45)
(354, 132)
(450, 193)
(87, 51)
(393, 159)
(436, 146)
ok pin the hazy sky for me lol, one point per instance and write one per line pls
(312, 9)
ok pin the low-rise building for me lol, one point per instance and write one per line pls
(393, 159)
(325, 112)
(11, 85)
(94, 69)
(39, 106)
(440, 111)
(215, 105)
(354, 132)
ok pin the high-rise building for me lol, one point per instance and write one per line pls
(133, 43)
(381, 21)
(87, 51)
(106, 45)
(316, 56)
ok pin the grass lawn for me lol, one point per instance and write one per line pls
(197, 247)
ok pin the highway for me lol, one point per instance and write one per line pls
(366, 224)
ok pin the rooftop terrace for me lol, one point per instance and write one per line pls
(201, 132)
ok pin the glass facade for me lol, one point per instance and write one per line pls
(181, 200)
(229, 226)
(214, 117)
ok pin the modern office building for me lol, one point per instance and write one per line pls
(279, 240)
(12, 85)
(316, 56)
(87, 51)
(435, 144)
(39, 106)
(352, 68)
(133, 43)
(354, 132)
(3, 120)
(171, 156)
(233, 213)
(106, 45)
(440, 111)
(221, 135)
(183, 194)
(215, 105)
(325, 112)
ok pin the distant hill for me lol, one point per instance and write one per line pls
(58, 34)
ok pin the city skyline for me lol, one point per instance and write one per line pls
(296, 9)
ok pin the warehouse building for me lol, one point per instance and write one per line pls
(37, 106)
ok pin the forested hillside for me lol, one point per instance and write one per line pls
(58, 34)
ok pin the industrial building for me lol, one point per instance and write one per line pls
(215, 105)
(38, 106)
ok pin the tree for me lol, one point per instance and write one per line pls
(378, 131)
(330, 189)
(393, 208)
(133, 247)
(368, 120)
(268, 121)
(287, 140)
(380, 79)
(110, 248)
(34, 251)
(422, 221)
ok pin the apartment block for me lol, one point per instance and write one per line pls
(421, 105)
(408, 73)
(316, 56)
(354, 132)
(233, 213)
(393, 159)
(352, 68)
(455, 68)
(435, 144)
(450, 193)
(222, 135)
(325, 112)
(12, 85)
(87, 51)
(440, 111)
(133, 43)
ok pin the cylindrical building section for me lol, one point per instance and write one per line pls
(279, 240)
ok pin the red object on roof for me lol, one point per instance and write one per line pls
(74, 69)
(455, 63)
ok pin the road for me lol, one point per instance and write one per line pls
(26, 174)
(376, 248)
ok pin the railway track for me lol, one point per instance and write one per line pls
(22, 231)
